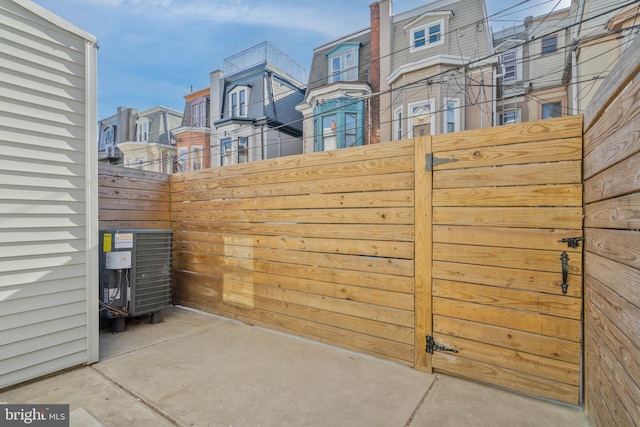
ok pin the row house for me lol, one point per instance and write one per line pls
(601, 31)
(252, 106)
(551, 65)
(440, 79)
(194, 134)
(532, 58)
(141, 140)
(415, 73)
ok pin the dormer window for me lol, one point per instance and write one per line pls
(142, 130)
(199, 113)
(343, 63)
(108, 135)
(238, 104)
(426, 36)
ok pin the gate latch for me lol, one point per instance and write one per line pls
(572, 242)
(432, 345)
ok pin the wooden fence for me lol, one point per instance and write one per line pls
(132, 198)
(612, 260)
(319, 245)
(348, 248)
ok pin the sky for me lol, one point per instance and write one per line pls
(154, 52)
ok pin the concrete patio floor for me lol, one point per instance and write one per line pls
(195, 369)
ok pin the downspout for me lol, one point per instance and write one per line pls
(574, 58)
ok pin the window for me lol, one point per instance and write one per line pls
(509, 64)
(199, 112)
(183, 152)
(195, 114)
(329, 133)
(196, 158)
(142, 126)
(427, 36)
(165, 164)
(420, 118)
(510, 116)
(549, 44)
(108, 135)
(551, 109)
(238, 107)
(243, 150)
(343, 63)
(203, 114)
(139, 164)
(397, 124)
(350, 129)
(341, 126)
(452, 116)
(226, 151)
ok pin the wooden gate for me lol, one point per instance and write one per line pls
(503, 200)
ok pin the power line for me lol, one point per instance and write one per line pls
(426, 80)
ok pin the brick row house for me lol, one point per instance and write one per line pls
(193, 136)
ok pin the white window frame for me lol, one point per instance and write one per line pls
(236, 109)
(456, 115)
(517, 65)
(195, 114)
(142, 130)
(183, 153)
(426, 28)
(517, 116)
(398, 128)
(346, 72)
(226, 151)
(410, 116)
(203, 114)
(195, 155)
(243, 154)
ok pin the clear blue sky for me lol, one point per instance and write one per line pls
(153, 51)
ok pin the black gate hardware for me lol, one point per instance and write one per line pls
(432, 345)
(572, 242)
(431, 162)
(564, 258)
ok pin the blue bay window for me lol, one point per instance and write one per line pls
(338, 123)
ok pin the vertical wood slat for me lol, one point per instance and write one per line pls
(612, 269)
(423, 254)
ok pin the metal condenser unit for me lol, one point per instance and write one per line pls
(135, 272)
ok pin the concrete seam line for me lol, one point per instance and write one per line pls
(140, 399)
(421, 403)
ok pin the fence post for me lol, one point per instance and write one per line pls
(423, 252)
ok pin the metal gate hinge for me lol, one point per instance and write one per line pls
(431, 162)
(432, 345)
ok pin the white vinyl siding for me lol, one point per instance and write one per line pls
(48, 186)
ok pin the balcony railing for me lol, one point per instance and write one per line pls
(265, 53)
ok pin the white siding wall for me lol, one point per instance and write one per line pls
(48, 215)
